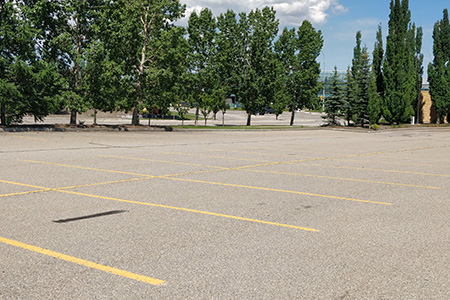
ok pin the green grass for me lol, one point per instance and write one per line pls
(239, 127)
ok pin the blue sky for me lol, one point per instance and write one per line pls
(339, 20)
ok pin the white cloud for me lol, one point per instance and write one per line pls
(289, 12)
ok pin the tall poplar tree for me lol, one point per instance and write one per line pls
(67, 31)
(439, 69)
(133, 34)
(203, 81)
(258, 30)
(298, 51)
(400, 70)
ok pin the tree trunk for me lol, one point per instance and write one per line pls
(249, 119)
(196, 115)
(95, 116)
(73, 117)
(3, 114)
(292, 117)
(223, 118)
(135, 119)
(149, 118)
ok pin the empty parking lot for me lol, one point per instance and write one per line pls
(305, 214)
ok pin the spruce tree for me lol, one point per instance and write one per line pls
(363, 93)
(334, 106)
(349, 96)
(377, 85)
(439, 69)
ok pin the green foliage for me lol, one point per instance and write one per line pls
(334, 104)
(377, 85)
(203, 75)
(349, 95)
(297, 51)
(27, 83)
(439, 69)
(135, 34)
(401, 65)
(363, 90)
(256, 59)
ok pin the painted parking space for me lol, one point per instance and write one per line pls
(194, 215)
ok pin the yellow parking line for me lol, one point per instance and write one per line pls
(400, 163)
(62, 190)
(214, 156)
(23, 193)
(83, 168)
(189, 210)
(104, 183)
(277, 190)
(377, 170)
(160, 161)
(28, 138)
(345, 179)
(234, 185)
(27, 185)
(82, 262)
(247, 169)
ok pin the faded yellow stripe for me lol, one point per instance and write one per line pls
(160, 161)
(189, 210)
(377, 170)
(277, 190)
(82, 262)
(62, 190)
(23, 193)
(28, 138)
(83, 168)
(27, 185)
(214, 156)
(345, 179)
(247, 169)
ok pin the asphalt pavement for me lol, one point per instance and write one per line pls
(232, 117)
(305, 214)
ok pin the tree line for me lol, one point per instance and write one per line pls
(388, 86)
(129, 55)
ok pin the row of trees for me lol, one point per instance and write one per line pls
(129, 55)
(439, 69)
(389, 85)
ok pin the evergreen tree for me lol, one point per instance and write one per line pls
(335, 103)
(357, 57)
(363, 90)
(349, 95)
(374, 108)
(377, 86)
(356, 73)
(439, 69)
(399, 68)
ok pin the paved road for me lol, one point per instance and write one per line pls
(307, 214)
(232, 117)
